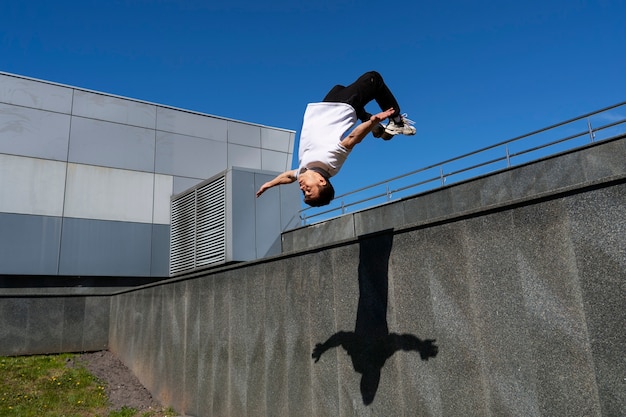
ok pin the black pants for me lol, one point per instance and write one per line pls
(369, 86)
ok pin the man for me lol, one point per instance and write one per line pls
(324, 146)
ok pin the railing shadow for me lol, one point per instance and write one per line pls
(370, 344)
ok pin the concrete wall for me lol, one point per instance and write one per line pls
(86, 177)
(42, 324)
(513, 309)
(55, 314)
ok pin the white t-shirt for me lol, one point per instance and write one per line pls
(323, 128)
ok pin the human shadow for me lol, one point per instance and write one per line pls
(370, 344)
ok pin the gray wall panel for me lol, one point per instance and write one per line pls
(243, 241)
(189, 156)
(160, 250)
(276, 140)
(244, 157)
(244, 134)
(114, 109)
(271, 160)
(290, 198)
(266, 222)
(32, 185)
(29, 244)
(183, 184)
(191, 124)
(36, 133)
(95, 142)
(94, 247)
(35, 94)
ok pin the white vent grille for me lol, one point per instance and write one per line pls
(211, 223)
(198, 227)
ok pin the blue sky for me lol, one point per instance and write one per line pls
(470, 73)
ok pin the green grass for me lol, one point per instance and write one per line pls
(43, 385)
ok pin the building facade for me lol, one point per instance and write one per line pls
(86, 177)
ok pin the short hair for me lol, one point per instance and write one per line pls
(324, 197)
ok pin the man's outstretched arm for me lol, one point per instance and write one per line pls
(286, 177)
(357, 135)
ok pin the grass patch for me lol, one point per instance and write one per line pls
(43, 385)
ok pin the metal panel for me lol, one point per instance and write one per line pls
(105, 248)
(95, 192)
(244, 157)
(276, 140)
(244, 134)
(96, 142)
(191, 124)
(189, 156)
(267, 217)
(35, 94)
(36, 133)
(29, 244)
(160, 249)
(31, 186)
(163, 186)
(114, 109)
(241, 237)
(274, 161)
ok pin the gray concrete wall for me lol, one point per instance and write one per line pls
(514, 308)
(42, 324)
(54, 314)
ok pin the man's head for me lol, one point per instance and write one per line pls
(317, 190)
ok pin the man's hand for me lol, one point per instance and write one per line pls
(377, 118)
(263, 188)
(285, 178)
(357, 135)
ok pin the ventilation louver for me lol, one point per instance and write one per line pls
(198, 227)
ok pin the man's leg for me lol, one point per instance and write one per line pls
(369, 86)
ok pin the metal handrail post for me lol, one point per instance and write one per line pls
(508, 156)
(592, 135)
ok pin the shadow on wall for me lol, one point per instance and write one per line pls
(371, 344)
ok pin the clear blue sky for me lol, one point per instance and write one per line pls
(470, 73)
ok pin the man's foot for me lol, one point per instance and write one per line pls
(378, 130)
(403, 128)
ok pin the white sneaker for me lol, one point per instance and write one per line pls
(403, 128)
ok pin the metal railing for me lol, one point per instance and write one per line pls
(570, 134)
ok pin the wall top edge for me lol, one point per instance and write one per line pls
(8, 74)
